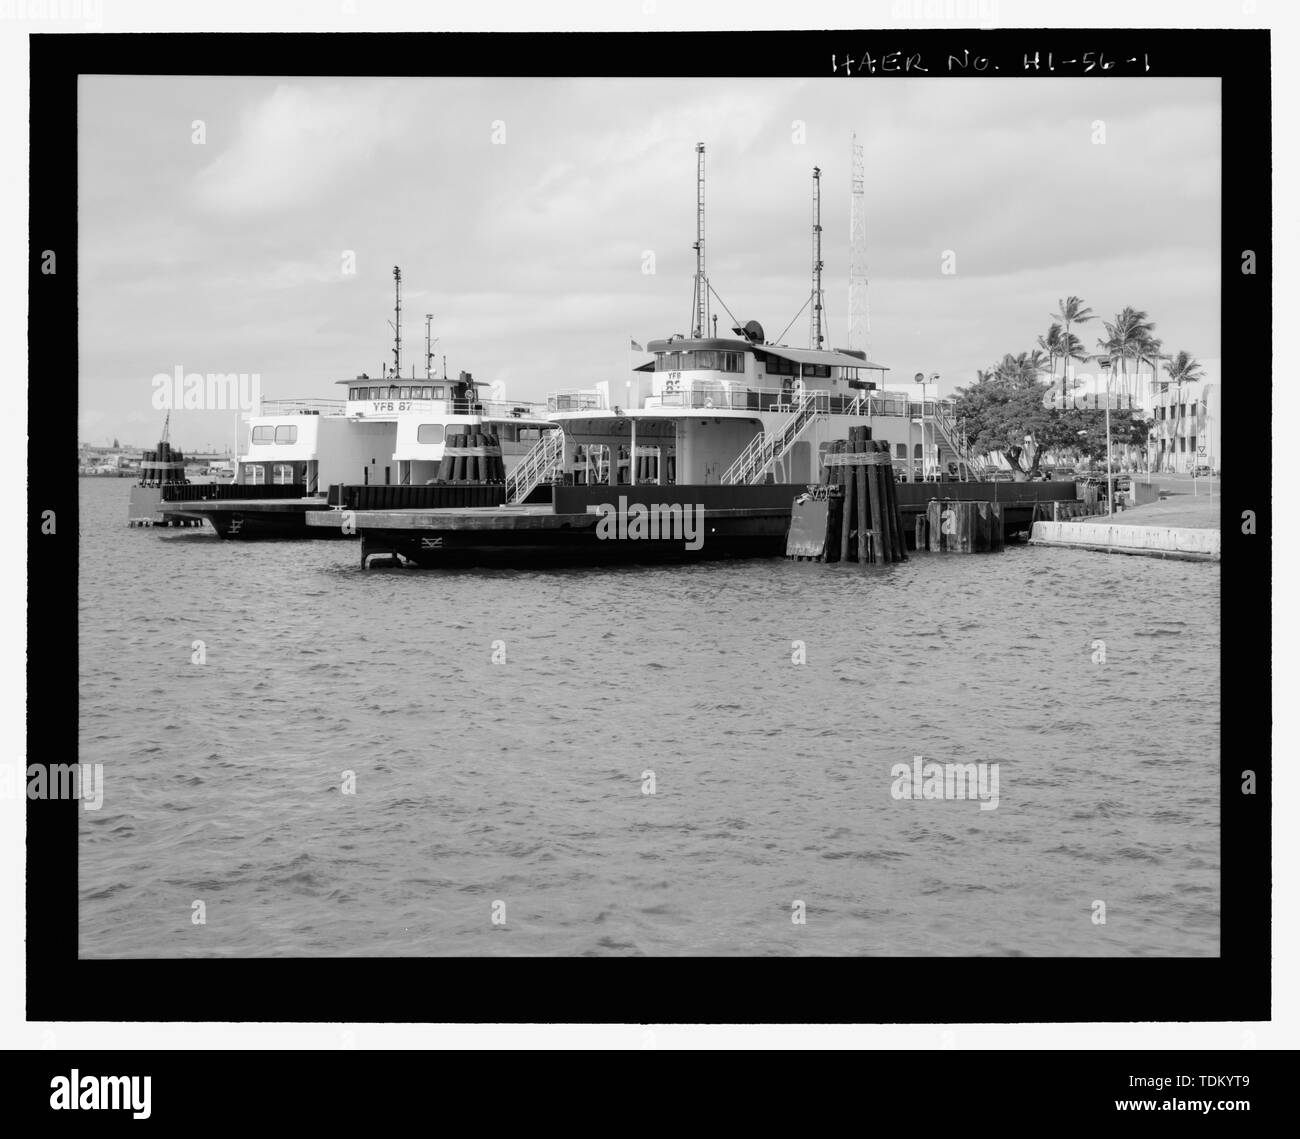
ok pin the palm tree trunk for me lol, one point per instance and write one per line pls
(1065, 365)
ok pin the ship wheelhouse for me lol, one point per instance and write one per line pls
(702, 403)
(713, 410)
(386, 432)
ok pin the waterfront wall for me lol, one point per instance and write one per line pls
(1159, 541)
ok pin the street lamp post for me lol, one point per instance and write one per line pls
(923, 380)
(919, 378)
(934, 379)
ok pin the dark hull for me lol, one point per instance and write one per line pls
(253, 525)
(737, 522)
(525, 549)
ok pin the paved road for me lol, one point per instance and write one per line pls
(1199, 512)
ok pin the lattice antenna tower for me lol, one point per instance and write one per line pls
(700, 305)
(859, 331)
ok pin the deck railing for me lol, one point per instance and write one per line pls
(767, 448)
(302, 407)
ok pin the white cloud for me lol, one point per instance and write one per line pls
(299, 144)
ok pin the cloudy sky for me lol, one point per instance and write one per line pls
(228, 256)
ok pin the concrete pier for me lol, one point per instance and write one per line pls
(1176, 528)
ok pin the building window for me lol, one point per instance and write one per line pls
(1182, 442)
(429, 433)
(286, 433)
(916, 452)
(1191, 446)
(263, 434)
(282, 474)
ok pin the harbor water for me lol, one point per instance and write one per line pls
(502, 730)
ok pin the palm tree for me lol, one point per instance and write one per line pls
(1149, 349)
(1022, 368)
(1130, 329)
(1182, 369)
(1070, 348)
(1073, 311)
(1051, 344)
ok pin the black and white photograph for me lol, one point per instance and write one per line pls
(762, 505)
(649, 517)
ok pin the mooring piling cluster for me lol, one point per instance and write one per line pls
(472, 457)
(857, 513)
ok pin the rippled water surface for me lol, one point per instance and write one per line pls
(522, 781)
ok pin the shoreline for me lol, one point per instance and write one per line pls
(1183, 527)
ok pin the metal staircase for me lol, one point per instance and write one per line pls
(543, 462)
(953, 440)
(767, 448)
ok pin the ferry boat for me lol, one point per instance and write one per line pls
(719, 432)
(699, 453)
(382, 437)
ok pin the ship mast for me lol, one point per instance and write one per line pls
(700, 313)
(818, 296)
(397, 323)
(428, 346)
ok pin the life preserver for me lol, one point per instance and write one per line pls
(708, 403)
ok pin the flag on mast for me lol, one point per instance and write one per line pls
(637, 347)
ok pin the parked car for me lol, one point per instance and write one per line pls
(1205, 472)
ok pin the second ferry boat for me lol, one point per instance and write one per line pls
(385, 437)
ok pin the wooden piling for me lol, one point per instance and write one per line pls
(893, 520)
(850, 508)
(866, 504)
(934, 525)
(875, 490)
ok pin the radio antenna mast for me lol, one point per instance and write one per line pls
(818, 296)
(397, 323)
(428, 346)
(700, 315)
